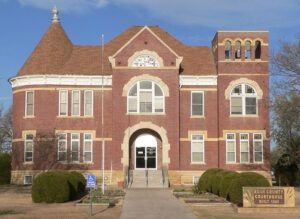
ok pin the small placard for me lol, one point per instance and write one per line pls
(268, 196)
(91, 180)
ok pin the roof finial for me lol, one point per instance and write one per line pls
(55, 18)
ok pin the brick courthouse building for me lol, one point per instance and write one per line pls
(167, 106)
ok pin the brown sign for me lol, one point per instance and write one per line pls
(275, 196)
(268, 196)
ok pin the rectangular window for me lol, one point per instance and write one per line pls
(145, 101)
(258, 148)
(88, 147)
(29, 108)
(75, 103)
(28, 179)
(250, 105)
(197, 148)
(28, 148)
(197, 100)
(244, 148)
(230, 148)
(236, 105)
(88, 103)
(196, 179)
(62, 147)
(63, 102)
(75, 147)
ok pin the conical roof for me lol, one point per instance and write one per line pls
(54, 49)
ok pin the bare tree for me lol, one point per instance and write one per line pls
(285, 65)
(5, 130)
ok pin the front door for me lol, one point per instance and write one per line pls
(145, 156)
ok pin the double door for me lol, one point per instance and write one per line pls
(145, 157)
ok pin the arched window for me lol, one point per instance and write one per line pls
(145, 61)
(243, 100)
(238, 49)
(227, 49)
(248, 50)
(257, 49)
(145, 97)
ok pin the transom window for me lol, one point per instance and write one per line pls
(145, 61)
(243, 100)
(145, 97)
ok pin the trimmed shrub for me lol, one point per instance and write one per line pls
(50, 187)
(215, 181)
(80, 188)
(205, 181)
(225, 182)
(5, 168)
(250, 179)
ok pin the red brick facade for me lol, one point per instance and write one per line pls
(208, 71)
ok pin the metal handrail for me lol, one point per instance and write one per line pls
(146, 173)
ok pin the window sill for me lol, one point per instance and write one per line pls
(76, 117)
(146, 114)
(244, 116)
(75, 163)
(28, 117)
(197, 163)
(197, 117)
(28, 163)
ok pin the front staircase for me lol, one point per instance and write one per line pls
(148, 179)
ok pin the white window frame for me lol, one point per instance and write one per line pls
(202, 141)
(92, 110)
(234, 141)
(199, 176)
(84, 150)
(27, 103)
(262, 147)
(75, 140)
(66, 151)
(193, 92)
(59, 99)
(26, 183)
(72, 108)
(244, 95)
(242, 140)
(153, 98)
(26, 140)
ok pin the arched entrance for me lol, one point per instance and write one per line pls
(131, 133)
(145, 151)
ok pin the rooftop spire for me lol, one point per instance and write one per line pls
(55, 18)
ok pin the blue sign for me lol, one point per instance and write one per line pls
(91, 181)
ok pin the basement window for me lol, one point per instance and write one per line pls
(28, 179)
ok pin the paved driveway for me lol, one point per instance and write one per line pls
(153, 203)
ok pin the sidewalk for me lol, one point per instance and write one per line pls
(153, 203)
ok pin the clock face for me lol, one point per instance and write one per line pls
(145, 61)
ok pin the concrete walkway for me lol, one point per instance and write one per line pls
(153, 203)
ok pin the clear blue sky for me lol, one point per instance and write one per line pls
(194, 22)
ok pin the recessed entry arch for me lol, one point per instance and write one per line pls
(133, 130)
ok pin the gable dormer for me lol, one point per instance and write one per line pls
(145, 50)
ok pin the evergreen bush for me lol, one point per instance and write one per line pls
(225, 182)
(205, 181)
(5, 168)
(50, 187)
(247, 179)
(81, 182)
(216, 179)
